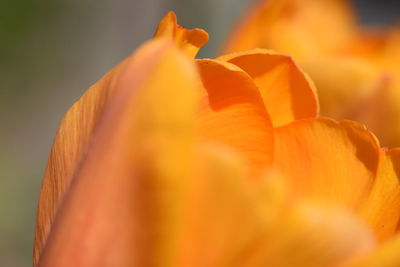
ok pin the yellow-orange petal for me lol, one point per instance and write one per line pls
(69, 146)
(382, 208)
(190, 41)
(329, 161)
(133, 170)
(232, 112)
(288, 93)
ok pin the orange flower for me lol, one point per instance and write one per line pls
(171, 161)
(356, 70)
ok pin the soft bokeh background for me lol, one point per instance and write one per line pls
(51, 51)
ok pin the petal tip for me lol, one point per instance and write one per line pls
(189, 41)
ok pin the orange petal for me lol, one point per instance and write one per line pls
(350, 87)
(386, 255)
(312, 234)
(77, 127)
(379, 45)
(69, 145)
(295, 27)
(232, 112)
(382, 209)
(343, 83)
(381, 49)
(287, 92)
(219, 202)
(190, 41)
(137, 160)
(308, 235)
(329, 161)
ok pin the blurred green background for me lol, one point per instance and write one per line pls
(51, 51)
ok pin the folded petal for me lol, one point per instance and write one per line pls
(131, 177)
(382, 208)
(232, 112)
(354, 69)
(190, 41)
(331, 162)
(287, 92)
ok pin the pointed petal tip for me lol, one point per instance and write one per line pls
(189, 41)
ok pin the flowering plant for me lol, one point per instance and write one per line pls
(172, 161)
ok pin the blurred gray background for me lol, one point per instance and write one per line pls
(51, 51)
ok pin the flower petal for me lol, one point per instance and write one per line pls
(271, 227)
(329, 161)
(382, 51)
(189, 41)
(386, 255)
(219, 202)
(70, 143)
(346, 80)
(136, 163)
(295, 27)
(78, 124)
(232, 112)
(287, 92)
(382, 209)
(312, 235)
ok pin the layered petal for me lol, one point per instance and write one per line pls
(287, 92)
(355, 68)
(331, 162)
(190, 41)
(382, 208)
(158, 173)
(77, 127)
(142, 194)
(232, 112)
(126, 195)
